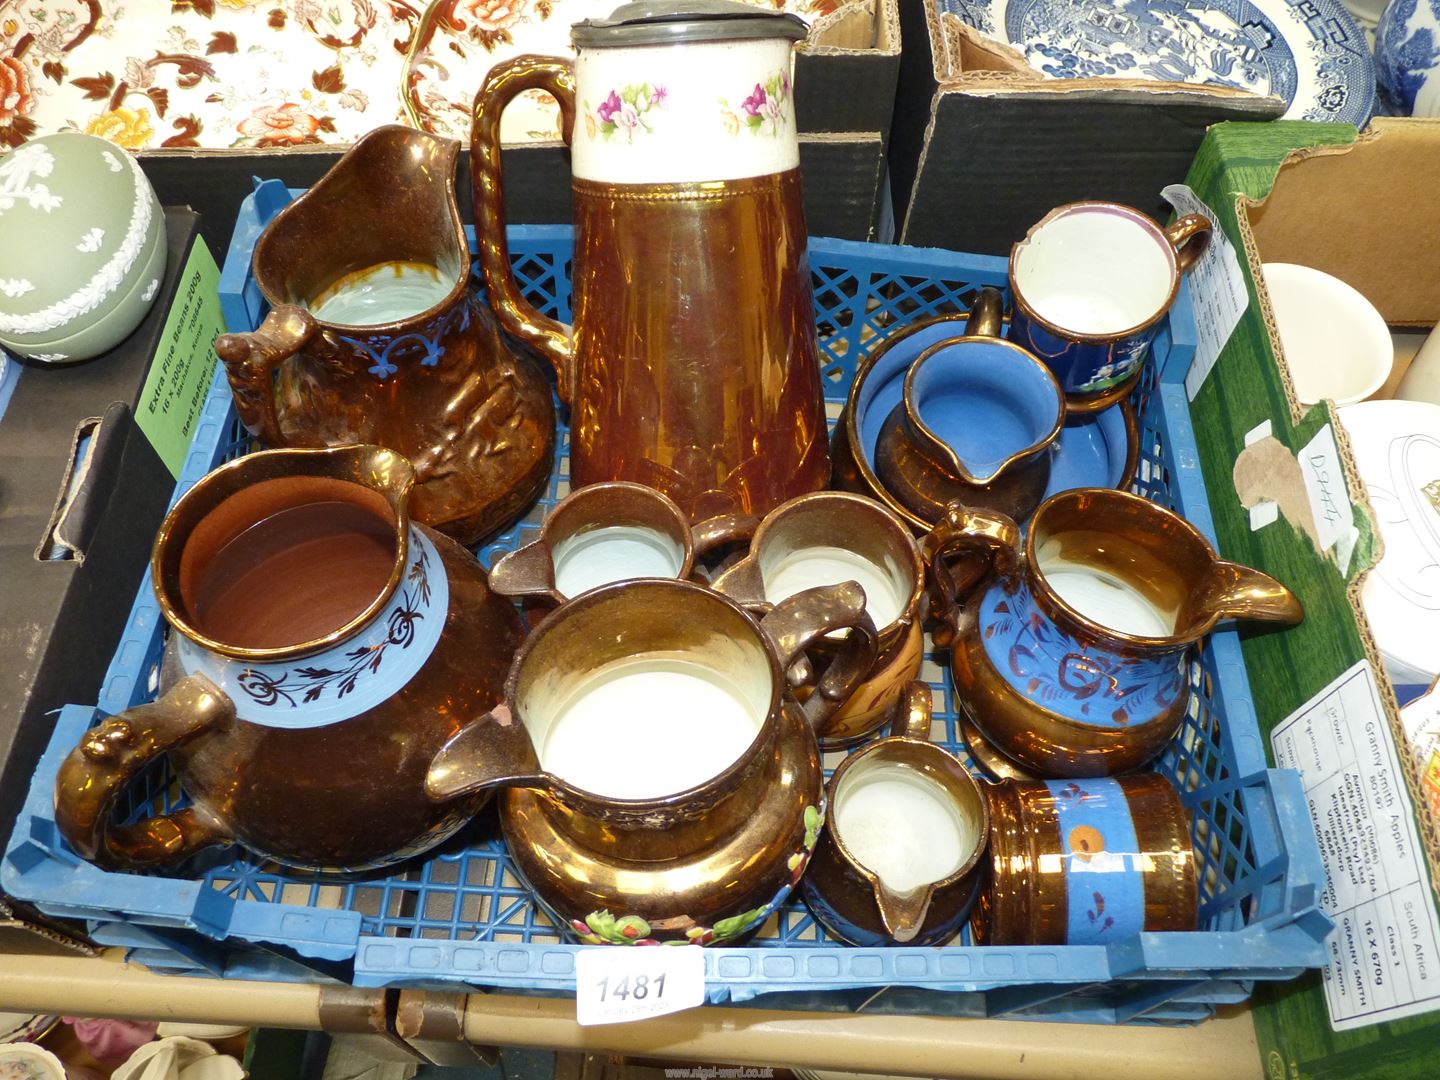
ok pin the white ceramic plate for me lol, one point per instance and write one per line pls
(1311, 55)
(23, 1061)
(1397, 451)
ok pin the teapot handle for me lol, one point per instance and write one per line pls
(95, 774)
(250, 363)
(962, 530)
(800, 621)
(546, 335)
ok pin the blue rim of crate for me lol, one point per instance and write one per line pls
(1257, 856)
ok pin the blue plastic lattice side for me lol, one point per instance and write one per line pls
(461, 917)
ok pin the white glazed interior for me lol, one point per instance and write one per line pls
(788, 570)
(644, 690)
(1106, 599)
(385, 293)
(593, 557)
(1096, 270)
(901, 824)
(697, 128)
(651, 726)
(1335, 344)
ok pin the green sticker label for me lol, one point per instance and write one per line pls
(184, 362)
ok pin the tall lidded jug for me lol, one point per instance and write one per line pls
(692, 363)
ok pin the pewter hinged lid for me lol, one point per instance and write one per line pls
(678, 22)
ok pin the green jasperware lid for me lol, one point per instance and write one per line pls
(75, 214)
(677, 22)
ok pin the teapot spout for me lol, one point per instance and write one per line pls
(1238, 592)
(494, 751)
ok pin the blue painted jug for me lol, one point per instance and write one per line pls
(1070, 659)
(979, 422)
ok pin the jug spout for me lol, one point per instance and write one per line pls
(903, 913)
(494, 751)
(1238, 592)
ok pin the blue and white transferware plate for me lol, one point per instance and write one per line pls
(1309, 53)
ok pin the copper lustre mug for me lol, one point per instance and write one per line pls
(661, 783)
(615, 531)
(1091, 282)
(979, 422)
(901, 861)
(825, 538)
(1071, 656)
(1086, 862)
(323, 648)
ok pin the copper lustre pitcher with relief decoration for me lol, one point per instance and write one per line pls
(375, 335)
(692, 363)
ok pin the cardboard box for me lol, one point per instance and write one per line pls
(842, 177)
(1286, 498)
(983, 146)
(845, 77)
(847, 68)
(61, 619)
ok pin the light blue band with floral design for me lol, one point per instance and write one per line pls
(1104, 886)
(356, 675)
(1080, 682)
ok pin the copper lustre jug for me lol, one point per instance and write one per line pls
(692, 364)
(660, 781)
(375, 335)
(323, 647)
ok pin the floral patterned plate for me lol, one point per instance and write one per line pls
(221, 74)
(1310, 54)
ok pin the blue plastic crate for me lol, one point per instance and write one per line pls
(462, 919)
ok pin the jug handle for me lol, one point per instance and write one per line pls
(721, 531)
(250, 363)
(1189, 236)
(987, 314)
(95, 774)
(803, 619)
(913, 712)
(961, 530)
(547, 336)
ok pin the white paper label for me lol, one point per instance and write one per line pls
(1384, 960)
(1267, 512)
(1217, 289)
(1329, 499)
(617, 983)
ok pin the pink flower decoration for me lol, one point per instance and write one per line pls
(755, 102)
(608, 108)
